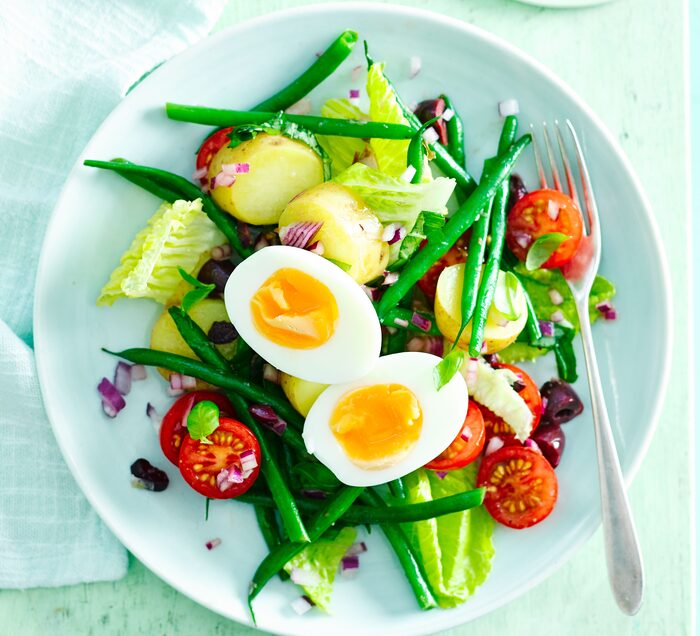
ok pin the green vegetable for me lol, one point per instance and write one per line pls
(456, 549)
(343, 151)
(203, 420)
(267, 522)
(315, 476)
(446, 369)
(542, 249)
(403, 314)
(504, 298)
(415, 156)
(200, 291)
(455, 134)
(346, 267)
(175, 237)
(426, 224)
(321, 560)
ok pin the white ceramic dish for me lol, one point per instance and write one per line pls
(564, 4)
(98, 214)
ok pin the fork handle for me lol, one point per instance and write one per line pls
(622, 552)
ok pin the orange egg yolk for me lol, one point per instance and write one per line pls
(377, 425)
(294, 310)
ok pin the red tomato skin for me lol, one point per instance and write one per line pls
(456, 254)
(173, 428)
(472, 448)
(513, 482)
(190, 457)
(215, 142)
(530, 217)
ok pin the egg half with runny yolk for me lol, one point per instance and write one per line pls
(303, 315)
(388, 423)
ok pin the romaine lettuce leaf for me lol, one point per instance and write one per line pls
(343, 151)
(175, 236)
(456, 549)
(320, 560)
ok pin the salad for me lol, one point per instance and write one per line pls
(344, 306)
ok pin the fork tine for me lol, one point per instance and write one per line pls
(571, 184)
(591, 208)
(550, 155)
(538, 158)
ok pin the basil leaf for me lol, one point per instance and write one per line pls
(446, 369)
(200, 291)
(505, 295)
(203, 420)
(543, 248)
(315, 476)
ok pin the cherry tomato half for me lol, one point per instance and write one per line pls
(466, 447)
(174, 426)
(543, 212)
(494, 425)
(210, 147)
(521, 486)
(200, 463)
(456, 254)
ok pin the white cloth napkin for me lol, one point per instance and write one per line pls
(64, 64)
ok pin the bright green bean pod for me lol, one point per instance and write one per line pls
(461, 220)
(397, 488)
(415, 156)
(455, 134)
(267, 522)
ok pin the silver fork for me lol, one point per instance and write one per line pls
(623, 556)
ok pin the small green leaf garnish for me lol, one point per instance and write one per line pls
(543, 248)
(446, 369)
(200, 291)
(203, 420)
(344, 266)
(506, 293)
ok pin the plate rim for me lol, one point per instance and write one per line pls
(443, 620)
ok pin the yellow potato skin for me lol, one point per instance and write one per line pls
(280, 168)
(350, 233)
(166, 337)
(448, 298)
(301, 393)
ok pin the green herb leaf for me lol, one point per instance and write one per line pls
(346, 267)
(505, 297)
(446, 369)
(203, 420)
(543, 248)
(200, 291)
(313, 476)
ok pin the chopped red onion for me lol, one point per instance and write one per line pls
(138, 372)
(266, 415)
(182, 426)
(188, 382)
(393, 233)
(368, 291)
(547, 328)
(244, 234)
(466, 433)
(260, 243)
(604, 307)
(415, 65)
(233, 169)
(557, 316)
(270, 374)
(400, 322)
(222, 180)
(429, 344)
(494, 444)
(304, 577)
(313, 493)
(501, 321)
(555, 297)
(610, 315)
(154, 416)
(248, 461)
(302, 605)
(299, 234)
(416, 344)
(112, 400)
(175, 381)
(213, 543)
(354, 93)
(472, 370)
(430, 136)
(408, 174)
(205, 188)
(553, 210)
(349, 565)
(532, 444)
(221, 252)
(200, 173)
(229, 476)
(440, 474)
(303, 107)
(448, 114)
(122, 377)
(390, 278)
(317, 248)
(356, 549)
(522, 239)
(421, 322)
(508, 107)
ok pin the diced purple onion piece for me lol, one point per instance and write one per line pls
(466, 433)
(494, 444)
(350, 562)
(153, 415)
(200, 173)
(260, 244)
(188, 382)
(553, 210)
(354, 93)
(138, 372)
(557, 316)
(555, 297)
(508, 107)
(232, 169)
(421, 322)
(390, 278)
(122, 377)
(400, 322)
(213, 543)
(317, 248)
(547, 328)
(532, 444)
(302, 605)
(270, 374)
(356, 549)
(303, 577)
(610, 315)
(266, 415)
(604, 306)
(414, 66)
(440, 474)
(299, 234)
(112, 400)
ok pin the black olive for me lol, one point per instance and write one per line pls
(430, 108)
(216, 273)
(151, 478)
(517, 189)
(562, 402)
(222, 332)
(551, 440)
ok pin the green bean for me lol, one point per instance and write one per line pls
(397, 488)
(415, 155)
(317, 125)
(166, 182)
(405, 315)
(280, 556)
(409, 561)
(155, 188)
(455, 134)
(267, 522)
(326, 63)
(441, 241)
(207, 373)
(398, 513)
(489, 279)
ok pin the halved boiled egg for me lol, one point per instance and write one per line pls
(388, 423)
(303, 315)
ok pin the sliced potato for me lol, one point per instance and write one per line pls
(279, 169)
(499, 331)
(166, 337)
(351, 234)
(301, 393)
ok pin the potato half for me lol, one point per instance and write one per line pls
(351, 234)
(301, 393)
(279, 168)
(499, 331)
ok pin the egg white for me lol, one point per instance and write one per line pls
(444, 412)
(351, 351)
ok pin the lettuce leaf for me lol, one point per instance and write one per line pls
(456, 549)
(175, 236)
(343, 151)
(321, 559)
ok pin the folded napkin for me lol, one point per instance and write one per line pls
(65, 65)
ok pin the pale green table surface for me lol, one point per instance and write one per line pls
(626, 59)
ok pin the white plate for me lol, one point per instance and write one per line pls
(99, 213)
(564, 4)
